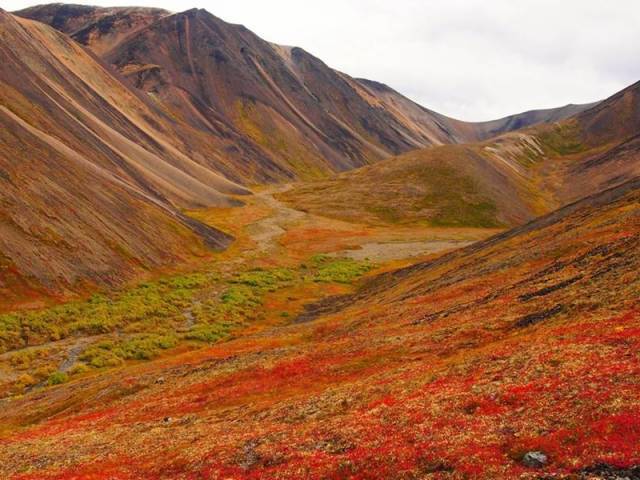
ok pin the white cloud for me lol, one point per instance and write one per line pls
(471, 59)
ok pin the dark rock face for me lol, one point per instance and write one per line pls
(85, 22)
(533, 318)
(253, 88)
(547, 290)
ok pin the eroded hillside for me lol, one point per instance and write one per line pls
(194, 110)
(89, 184)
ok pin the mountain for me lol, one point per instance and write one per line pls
(102, 28)
(301, 118)
(606, 141)
(467, 132)
(90, 180)
(306, 350)
(503, 181)
(527, 119)
(196, 109)
(458, 367)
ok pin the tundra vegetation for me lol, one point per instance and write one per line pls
(514, 357)
(152, 318)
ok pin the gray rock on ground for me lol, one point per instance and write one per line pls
(534, 460)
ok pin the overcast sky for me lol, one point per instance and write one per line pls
(471, 59)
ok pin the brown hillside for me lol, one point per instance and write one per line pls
(457, 367)
(89, 182)
(503, 181)
(291, 116)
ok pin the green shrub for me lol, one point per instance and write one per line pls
(56, 378)
(343, 270)
(141, 320)
(101, 355)
(264, 279)
(207, 333)
(240, 295)
(151, 305)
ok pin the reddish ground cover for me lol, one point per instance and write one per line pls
(450, 369)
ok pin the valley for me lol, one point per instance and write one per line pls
(414, 373)
(221, 258)
(282, 259)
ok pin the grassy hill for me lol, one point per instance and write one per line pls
(503, 181)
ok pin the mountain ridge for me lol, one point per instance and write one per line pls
(191, 110)
(305, 92)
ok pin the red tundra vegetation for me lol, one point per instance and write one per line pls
(450, 369)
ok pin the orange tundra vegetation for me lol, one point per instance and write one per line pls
(376, 323)
(452, 368)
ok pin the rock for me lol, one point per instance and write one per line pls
(160, 380)
(534, 459)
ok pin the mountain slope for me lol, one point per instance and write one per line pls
(452, 368)
(206, 105)
(301, 118)
(607, 140)
(102, 28)
(90, 183)
(528, 119)
(503, 181)
(457, 131)
(307, 117)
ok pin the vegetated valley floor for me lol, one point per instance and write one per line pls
(282, 260)
(454, 366)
